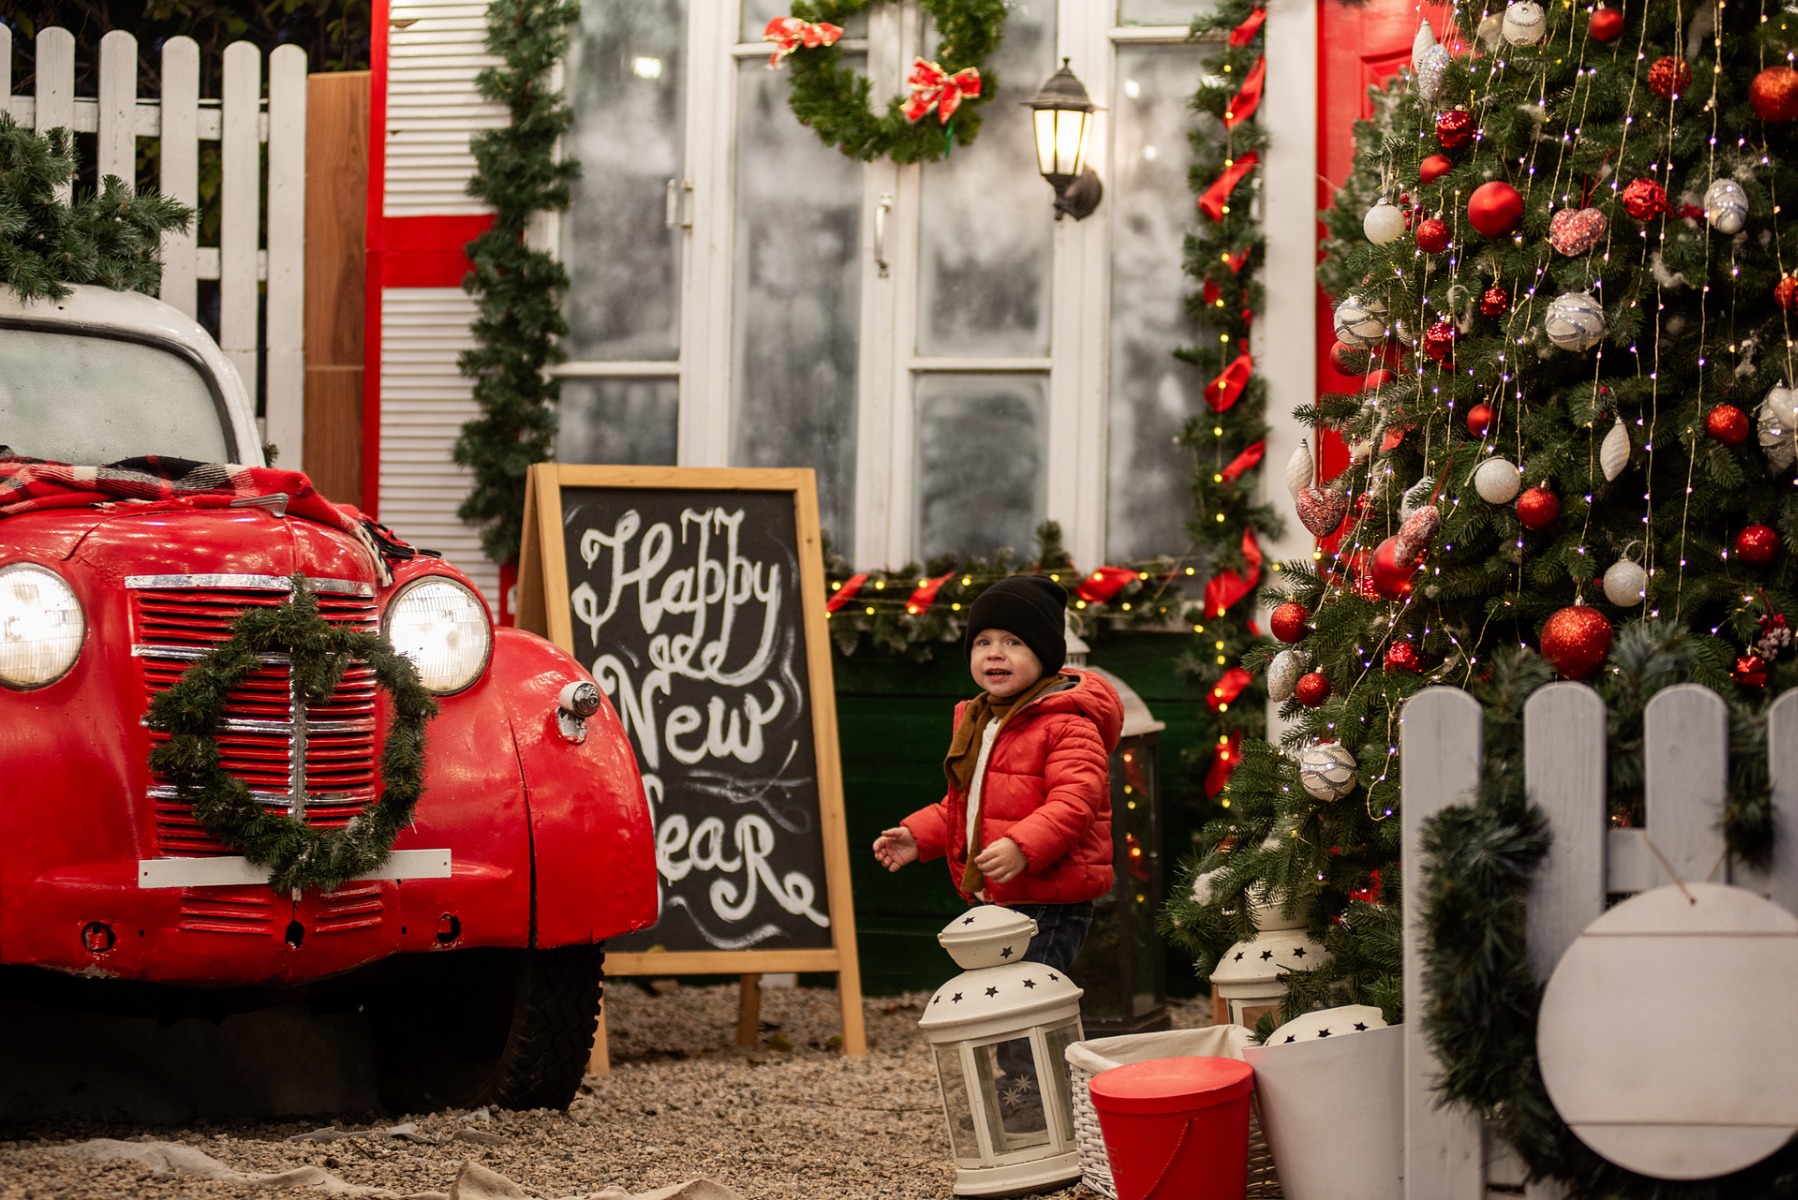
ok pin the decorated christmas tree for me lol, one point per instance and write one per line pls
(1566, 267)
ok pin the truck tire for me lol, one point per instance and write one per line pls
(508, 1028)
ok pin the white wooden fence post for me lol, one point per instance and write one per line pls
(239, 208)
(1564, 774)
(117, 143)
(284, 326)
(179, 177)
(1782, 760)
(1440, 744)
(1685, 737)
(56, 85)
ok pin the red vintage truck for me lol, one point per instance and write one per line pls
(475, 946)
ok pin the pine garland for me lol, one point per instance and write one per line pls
(519, 290)
(112, 238)
(299, 856)
(833, 100)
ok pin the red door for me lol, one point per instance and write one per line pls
(1358, 46)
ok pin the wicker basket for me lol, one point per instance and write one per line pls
(1088, 1058)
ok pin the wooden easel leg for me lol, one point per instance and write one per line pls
(599, 1060)
(849, 996)
(749, 1010)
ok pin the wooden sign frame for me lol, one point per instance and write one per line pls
(543, 607)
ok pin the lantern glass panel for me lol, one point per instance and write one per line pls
(956, 1105)
(1056, 1042)
(1013, 1109)
(1045, 140)
(1070, 140)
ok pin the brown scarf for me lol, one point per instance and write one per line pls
(964, 752)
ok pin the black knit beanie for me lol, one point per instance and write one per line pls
(1032, 606)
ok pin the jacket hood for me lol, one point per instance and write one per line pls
(1090, 695)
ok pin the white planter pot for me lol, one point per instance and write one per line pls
(1333, 1113)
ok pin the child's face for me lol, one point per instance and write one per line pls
(1002, 664)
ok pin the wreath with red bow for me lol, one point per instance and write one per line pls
(944, 94)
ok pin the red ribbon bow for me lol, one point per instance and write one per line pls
(1218, 194)
(925, 593)
(1104, 584)
(1228, 687)
(1249, 98)
(1242, 462)
(1222, 393)
(932, 87)
(1244, 33)
(791, 33)
(847, 592)
(1228, 586)
(1224, 758)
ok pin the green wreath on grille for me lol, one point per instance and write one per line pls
(299, 857)
(833, 99)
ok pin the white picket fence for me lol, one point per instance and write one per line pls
(241, 121)
(1447, 1154)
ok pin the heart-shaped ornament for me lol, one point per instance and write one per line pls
(1415, 535)
(1573, 231)
(1321, 509)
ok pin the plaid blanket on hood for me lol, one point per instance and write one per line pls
(35, 484)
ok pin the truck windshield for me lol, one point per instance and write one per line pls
(88, 399)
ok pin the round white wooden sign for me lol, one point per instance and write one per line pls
(1663, 1035)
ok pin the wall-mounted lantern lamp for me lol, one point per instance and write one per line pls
(1063, 123)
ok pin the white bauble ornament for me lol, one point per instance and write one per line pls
(1327, 771)
(1726, 206)
(1625, 583)
(1384, 222)
(1498, 481)
(1431, 66)
(1575, 321)
(1635, 1048)
(1360, 321)
(1421, 42)
(1283, 674)
(1613, 452)
(1777, 427)
(1300, 469)
(1525, 24)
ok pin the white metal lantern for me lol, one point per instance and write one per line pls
(1250, 979)
(1000, 1032)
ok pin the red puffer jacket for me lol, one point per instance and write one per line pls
(1048, 788)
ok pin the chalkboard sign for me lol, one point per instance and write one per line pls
(695, 597)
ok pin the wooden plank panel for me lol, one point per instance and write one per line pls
(284, 328)
(1564, 771)
(116, 152)
(337, 116)
(1686, 738)
(334, 430)
(239, 215)
(1782, 753)
(56, 85)
(1440, 741)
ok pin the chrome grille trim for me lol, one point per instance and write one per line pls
(196, 653)
(272, 799)
(260, 583)
(289, 728)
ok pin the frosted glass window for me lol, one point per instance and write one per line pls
(626, 79)
(624, 421)
(984, 247)
(797, 302)
(1161, 12)
(1152, 393)
(982, 445)
(757, 14)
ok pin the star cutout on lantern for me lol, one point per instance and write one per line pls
(936, 999)
(969, 921)
(955, 999)
(1298, 952)
(992, 991)
(1054, 978)
(1266, 954)
(1005, 953)
(1030, 983)
(1238, 957)
(1292, 1037)
(1323, 1033)
(1360, 1026)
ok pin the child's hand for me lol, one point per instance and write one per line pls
(895, 847)
(1002, 861)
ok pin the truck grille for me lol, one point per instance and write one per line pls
(318, 760)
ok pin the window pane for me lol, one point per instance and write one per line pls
(1160, 12)
(757, 14)
(626, 78)
(628, 421)
(1152, 394)
(797, 301)
(985, 233)
(982, 442)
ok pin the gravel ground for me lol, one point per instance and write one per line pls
(788, 1118)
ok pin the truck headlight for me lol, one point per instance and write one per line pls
(41, 626)
(442, 627)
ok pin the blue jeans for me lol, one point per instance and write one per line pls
(1060, 932)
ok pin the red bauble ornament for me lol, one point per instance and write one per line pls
(1750, 671)
(1288, 621)
(1575, 641)
(1439, 341)
(1403, 656)
(1349, 360)
(1391, 580)
(1454, 129)
(1479, 420)
(1434, 167)
(1495, 208)
(1494, 301)
(1538, 507)
(1376, 379)
(1785, 293)
(1312, 690)
(1644, 199)
(1669, 77)
(1774, 94)
(1606, 25)
(1432, 235)
(1757, 545)
(1727, 423)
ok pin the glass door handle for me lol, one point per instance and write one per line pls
(880, 233)
(673, 209)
